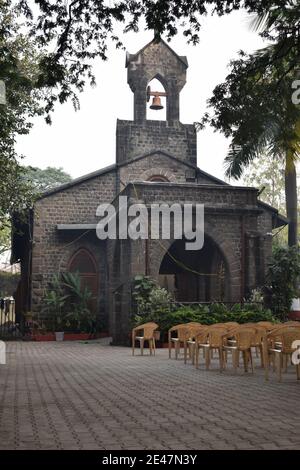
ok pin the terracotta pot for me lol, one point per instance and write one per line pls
(69, 336)
(77, 336)
(295, 310)
(294, 316)
(46, 337)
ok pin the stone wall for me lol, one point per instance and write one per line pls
(156, 164)
(156, 60)
(135, 139)
(52, 249)
(232, 220)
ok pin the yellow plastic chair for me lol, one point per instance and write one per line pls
(146, 334)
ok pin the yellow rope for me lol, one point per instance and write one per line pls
(177, 261)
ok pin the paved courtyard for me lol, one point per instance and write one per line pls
(77, 395)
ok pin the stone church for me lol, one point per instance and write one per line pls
(156, 161)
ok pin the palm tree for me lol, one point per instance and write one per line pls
(280, 137)
(254, 107)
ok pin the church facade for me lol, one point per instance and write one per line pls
(156, 162)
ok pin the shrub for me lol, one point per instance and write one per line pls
(79, 316)
(66, 304)
(207, 315)
(284, 271)
(154, 303)
(54, 304)
(8, 283)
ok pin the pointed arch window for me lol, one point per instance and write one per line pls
(83, 263)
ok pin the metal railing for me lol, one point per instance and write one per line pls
(9, 328)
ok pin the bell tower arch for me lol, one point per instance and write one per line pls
(156, 60)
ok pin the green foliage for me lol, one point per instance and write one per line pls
(66, 304)
(267, 123)
(141, 290)
(54, 303)
(81, 31)
(156, 304)
(8, 283)
(5, 235)
(207, 315)
(34, 180)
(284, 271)
(79, 316)
(43, 180)
(268, 174)
(18, 70)
(253, 105)
(151, 300)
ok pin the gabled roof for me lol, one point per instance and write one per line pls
(110, 168)
(157, 151)
(79, 180)
(281, 220)
(130, 57)
(211, 177)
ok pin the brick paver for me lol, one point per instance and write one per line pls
(76, 395)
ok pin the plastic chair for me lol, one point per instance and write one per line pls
(147, 330)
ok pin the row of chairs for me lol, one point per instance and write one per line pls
(274, 343)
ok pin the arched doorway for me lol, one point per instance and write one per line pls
(83, 263)
(195, 275)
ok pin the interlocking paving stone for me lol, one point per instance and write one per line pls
(76, 395)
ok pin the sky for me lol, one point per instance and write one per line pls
(84, 141)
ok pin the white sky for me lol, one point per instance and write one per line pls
(84, 141)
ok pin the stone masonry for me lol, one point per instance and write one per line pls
(63, 220)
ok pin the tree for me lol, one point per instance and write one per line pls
(255, 109)
(254, 106)
(284, 271)
(4, 239)
(80, 30)
(43, 180)
(268, 176)
(37, 181)
(47, 54)
(18, 69)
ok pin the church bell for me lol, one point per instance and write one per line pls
(156, 103)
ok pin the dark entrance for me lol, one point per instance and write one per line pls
(195, 276)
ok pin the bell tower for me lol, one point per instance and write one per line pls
(158, 61)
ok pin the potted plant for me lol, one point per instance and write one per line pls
(295, 309)
(54, 303)
(80, 318)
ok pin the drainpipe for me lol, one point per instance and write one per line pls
(242, 257)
